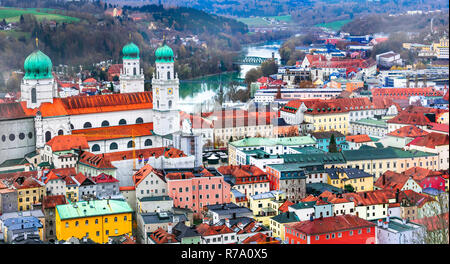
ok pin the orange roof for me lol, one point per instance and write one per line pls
(141, 174)
(431, 140)
(13, 111)
(418, 199)
(90, 80)
(207, 230)
(284, 207)
(261, 238)
(96, 161)
(188, 174)
(68, 142)
(51, 176)
(160, 236)
(408, 131)
(309, 198)
(51, 201)
(77, 105)
(358, 138)
(145, 153)
(27, 183)
(370, 197)
(391, 180)
(113, 132)
(127, 188)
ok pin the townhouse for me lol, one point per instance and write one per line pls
(247, 179)
(358, 179)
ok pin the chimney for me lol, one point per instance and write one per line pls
(380, 222)
(388, 218)
(384, 179)
(404, 221)
(385, 224)
(397, 193)
(365, 195)
(169, 228)
(227, 222)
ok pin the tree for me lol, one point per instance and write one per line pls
(332, 148)
(349, 188)
(252, 76)
(269, 67)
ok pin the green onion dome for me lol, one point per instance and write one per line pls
(164, 54)
(130, 51)
(38, 66)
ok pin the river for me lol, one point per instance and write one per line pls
(202, 90)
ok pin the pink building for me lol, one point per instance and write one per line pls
(196, 188)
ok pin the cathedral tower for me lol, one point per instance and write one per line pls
(131, 74)
(38, 85)
(165, 90)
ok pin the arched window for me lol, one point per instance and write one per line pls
(60, 132)
(170, 104)
(122, 122)
(87, 125)
(139, 120)
(95, 148)
(33, 95)
(113, 146)
(105, 123)
(148, 142)
(168, 75)
(130, 144)
(48, 136)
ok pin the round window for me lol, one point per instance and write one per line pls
(3, 138)
(30, 135)
(12, 137)
(21, 136)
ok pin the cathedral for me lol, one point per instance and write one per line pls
(131, 119)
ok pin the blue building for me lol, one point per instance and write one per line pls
(323, 140)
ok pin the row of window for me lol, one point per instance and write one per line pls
(105, 123)
(21, 136)
(86, 222)
(114, 146)
(213, 187)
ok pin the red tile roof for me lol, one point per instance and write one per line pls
(51, 201)
(90, 80)
(284, 207)
(27, 183)
(115, 69)
(104, 178)
(391, 180)
(243, 171)
(370, 197)
(207, 230)
(439, 127)
(51, 176)
(330, 224)
(68, 142)
(418, 199)
(188, 174)
(434, 223)
(261, 238)
(431, 140)
(410, 118)
(96, 161)
(358, 138)
(384, 103)
(160, 236)
(145, 154)
(329, 106)
(13, 111)
(127, 188)
(402, 93)
(113, 132)
(408, 131)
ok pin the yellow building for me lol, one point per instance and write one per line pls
(378, 160)
(29, 193)
(360, 180)
(278, 223)
(265, 205)
(326, 121)
(96, 220)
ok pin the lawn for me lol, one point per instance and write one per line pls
(335, 25)
(13, 14)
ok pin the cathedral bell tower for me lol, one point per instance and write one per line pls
(131, 74)
(165, 91)
(38, 85)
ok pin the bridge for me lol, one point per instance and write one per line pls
(250, 60)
